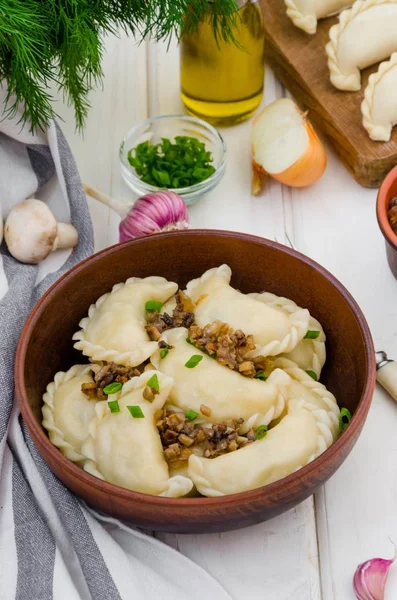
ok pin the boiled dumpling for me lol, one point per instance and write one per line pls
(115, 327)
(277, 324)
(310, 354)
(127, 451)
(228, 394)
(67, 411)
(304, 432)
(316, 395)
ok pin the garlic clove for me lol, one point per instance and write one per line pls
(370, 578)
(285, 145)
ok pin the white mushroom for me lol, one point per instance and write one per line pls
(31, 232)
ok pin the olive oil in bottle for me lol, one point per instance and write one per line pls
(222, 82)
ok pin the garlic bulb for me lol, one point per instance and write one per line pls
(161, 211)
(285, 146)
(370, 578)
(153, 213)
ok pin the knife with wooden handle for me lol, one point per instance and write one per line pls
(386, 373)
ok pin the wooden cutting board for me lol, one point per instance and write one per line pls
(300, 63)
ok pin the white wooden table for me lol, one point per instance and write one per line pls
(311, 552)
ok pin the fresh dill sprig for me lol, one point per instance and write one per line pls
(60, 41)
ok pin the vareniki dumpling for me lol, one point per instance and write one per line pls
(310, 354)
(305, 13)
(115, 327)
(277, 324)
(365, 35)
(127, 451)
(308, 427)
(67, 411)
(227, 393)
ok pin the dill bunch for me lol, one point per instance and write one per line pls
(47, 41)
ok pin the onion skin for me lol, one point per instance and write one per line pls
(153, 213)
(309, 167)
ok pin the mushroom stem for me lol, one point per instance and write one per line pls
(67, 237)
(119, 207)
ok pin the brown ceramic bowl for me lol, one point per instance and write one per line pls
(46, 347)
(387, 191)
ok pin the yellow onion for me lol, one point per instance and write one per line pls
(285, 146)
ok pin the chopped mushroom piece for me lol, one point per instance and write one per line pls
(205, 410)
(110, 373)
(180, 437)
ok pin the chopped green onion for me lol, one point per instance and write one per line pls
(193, 361)
(176, 163)
(344, 419)
(164, 352)
(191, 415)
(112, 388)
(136, 412)
(153, 382)
(260, 375)
(312, 334)
(153, 305)
(312, 375)
(114, 406)
(261, 432)
(189, 341)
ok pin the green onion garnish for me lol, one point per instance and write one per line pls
(114, 406)
(312, 334)
(260, 375)
(153, 305)
(193, 361)
(189, 341)
(312, 375)
(163, 352)
(112, 388)
(153, 382)
(191, 415)
(177, 163)
(136, 412)
(261, 432)
(344, 419)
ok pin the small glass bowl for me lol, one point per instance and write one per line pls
(169, 126)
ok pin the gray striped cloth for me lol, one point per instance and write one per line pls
(51, 544)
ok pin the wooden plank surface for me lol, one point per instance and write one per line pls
(300, 62)
(334, 222)
(248, 562)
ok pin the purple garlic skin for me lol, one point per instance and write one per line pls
(153, 213)
(370, 578)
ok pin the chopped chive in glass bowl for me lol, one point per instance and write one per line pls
(175, 152)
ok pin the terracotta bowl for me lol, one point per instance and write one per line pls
(387, 191)
(46, 347)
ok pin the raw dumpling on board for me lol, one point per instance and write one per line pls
(305, 430)
(379, 107)
(365, 35)
(277, 326)
(115, 327)
(305, 13)
(127, 451)
(228, 394)
(67, 411)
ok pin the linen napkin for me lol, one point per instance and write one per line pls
(51, 545)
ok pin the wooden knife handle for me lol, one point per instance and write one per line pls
(387, 377)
